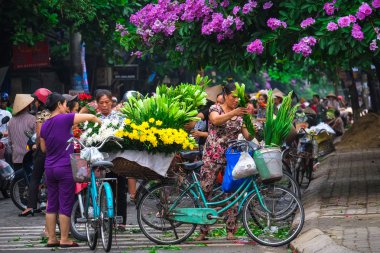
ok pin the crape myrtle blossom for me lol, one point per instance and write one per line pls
(307, 22)
(364, 11)
(357, 32)
(373, 45)
(219, 25)
(123, 31)
(248, 7)
(376, 4)
(138, 54)
(235, 10)
(329, 8)
(267, 5)
(304, 46)
(255, 47)
(331, 26)
(345, 21)
(225, 3)
(239, 23)
(274, 23)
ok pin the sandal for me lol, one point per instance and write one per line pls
(201, 237)
(52, 245)
(231, 237)
(132, 197)
(72, 245)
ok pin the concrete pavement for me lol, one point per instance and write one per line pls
(342, 205)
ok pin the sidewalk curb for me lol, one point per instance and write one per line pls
(312, 239)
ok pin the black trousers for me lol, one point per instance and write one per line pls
(119, 190)
(37, 174)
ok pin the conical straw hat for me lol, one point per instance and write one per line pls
(212, 92)
(21, 102)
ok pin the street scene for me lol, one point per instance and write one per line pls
(190, 126)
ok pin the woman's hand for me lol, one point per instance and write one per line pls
(240, 111)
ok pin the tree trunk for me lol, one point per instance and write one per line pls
(375, 103)
(354, 96)
(75, 54)
(374, 87)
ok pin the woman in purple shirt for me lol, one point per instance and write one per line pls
(55, 133)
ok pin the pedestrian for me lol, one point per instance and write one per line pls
(337, 123)
(72, 103)
(21, 123)
(104, 104)
(38, 157)
(4, 139)
(261, 107)
(225, 124)
(332, 102)
(5, 104)
(55, 132)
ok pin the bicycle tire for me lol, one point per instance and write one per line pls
(92, 226)
(5, 193)
(273, 232)
(289, 183)
(159, 198)
(19, 192)
(76, 229)
(106, 219)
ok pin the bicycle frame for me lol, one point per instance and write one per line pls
(243, 192)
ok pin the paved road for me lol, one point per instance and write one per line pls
(24, 234)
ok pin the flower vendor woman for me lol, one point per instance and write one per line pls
(225, 124)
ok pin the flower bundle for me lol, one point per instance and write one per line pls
(151, 136)
(247, 118)
(84, 99)
(94, 133)
(276, 129)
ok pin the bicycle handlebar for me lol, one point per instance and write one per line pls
(113, 138)
(320, 131)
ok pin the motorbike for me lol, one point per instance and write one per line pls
(21, 180)
(6, 171)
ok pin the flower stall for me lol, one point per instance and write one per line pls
(151, 129)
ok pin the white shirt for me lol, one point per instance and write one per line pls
(4, 128)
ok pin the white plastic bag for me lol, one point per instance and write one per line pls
(91, 154)
(245, 167)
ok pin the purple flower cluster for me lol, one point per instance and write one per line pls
(221, 26)
(329, 8)
(274, 23)
(194, 10)
(267, 5)
(364, 11)
(304, 46)
(248, 7)
(123, 31)
(373, 45)
(307, 22)
(235, 10)
(331, 26)
(346, 21)
(376, 4)
(357, 32)
(225, 3)
(179, 48)
(138, 54)
(255, 47)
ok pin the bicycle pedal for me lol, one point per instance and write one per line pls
(81, 220)
(119, 219)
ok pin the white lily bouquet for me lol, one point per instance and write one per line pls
(94, 133)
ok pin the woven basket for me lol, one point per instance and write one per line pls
(132, 169)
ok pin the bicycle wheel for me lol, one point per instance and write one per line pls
(288, 182)
(281, 225)
(19, 192)
(77, 229)
(300, 170)
(92, 225)
(154, 219)
(106, 220)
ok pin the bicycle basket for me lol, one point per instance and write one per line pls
(79, 166)
(269, 164)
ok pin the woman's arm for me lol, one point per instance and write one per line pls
(246, 134)
(79, 118)
(219, 119)
(42, 145)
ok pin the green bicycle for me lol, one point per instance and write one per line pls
(169, 214)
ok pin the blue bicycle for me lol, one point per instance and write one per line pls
(97, 211)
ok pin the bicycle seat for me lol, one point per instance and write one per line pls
(104, 164)
(190, 155)
(192, 166)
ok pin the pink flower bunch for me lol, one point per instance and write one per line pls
(267, 5)
(194, 10)
(179, 48)
(376, 4)
(304, 46)
(239, 23)
(274, 23)
(346, 21)
(248, 7)
(364, 11)
(138, 54)
(307, 22)
(331, 26)
(255, 47)
(357, 32)
(225, 3)
(235, 10)
(329, 8)
(123, 31)
(219, 25)
(373, 45)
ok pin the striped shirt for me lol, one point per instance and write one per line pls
(18, 125)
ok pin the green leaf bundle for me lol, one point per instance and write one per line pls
(247, 118)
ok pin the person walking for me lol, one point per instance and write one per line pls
(55, 132)
(225, 124)
(21, 123)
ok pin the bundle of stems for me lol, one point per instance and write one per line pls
(247, 118)
(276, 129)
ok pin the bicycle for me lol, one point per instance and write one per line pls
(97, 210)
(305, 156)
(272, 215)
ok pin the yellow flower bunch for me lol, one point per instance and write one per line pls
(148, 133)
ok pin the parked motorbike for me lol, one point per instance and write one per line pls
(21, 180)
(6, 171)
